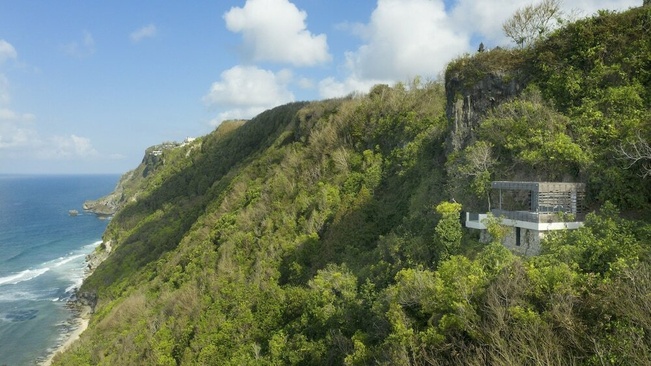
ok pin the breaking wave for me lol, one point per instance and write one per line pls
(23, 276)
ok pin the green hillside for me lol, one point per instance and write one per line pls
(325, 232)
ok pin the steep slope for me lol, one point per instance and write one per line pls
(308, 235)
(321, 188)
(167, 204)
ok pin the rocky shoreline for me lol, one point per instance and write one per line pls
(75, 326)
(82, 306)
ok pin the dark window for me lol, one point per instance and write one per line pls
(517, 236)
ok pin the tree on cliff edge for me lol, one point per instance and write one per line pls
(533, 22)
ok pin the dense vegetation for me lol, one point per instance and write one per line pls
(322, 233)
(588, 95)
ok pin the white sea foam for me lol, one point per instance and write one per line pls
(93, 245)
(23, 276)
(63, 260)
(10, 296)
(75, 285)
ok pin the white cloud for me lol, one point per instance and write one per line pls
(408, 38)
(83, 48)
(7, 115)
(590, 7)
(404, 39)
(12, 137)
(484, 19)
(305, 83)
(20, 138)
(4, 90)
(245, 91)
(331, 88)
(66, 147)
(7, 51)
(148, 31)
(275, 30)
(15, 129)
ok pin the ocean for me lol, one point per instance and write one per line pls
(42, 258)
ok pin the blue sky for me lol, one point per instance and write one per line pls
(87, 86)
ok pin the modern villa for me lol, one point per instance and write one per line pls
(530, 210)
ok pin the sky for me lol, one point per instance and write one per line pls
(87, 86)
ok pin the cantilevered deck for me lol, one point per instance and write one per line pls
(532, 209)
(539, 201)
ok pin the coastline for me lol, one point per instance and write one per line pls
(81, 308)
(82, 319)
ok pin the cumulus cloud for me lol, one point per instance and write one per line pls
(331, 88)
(66, 147)
(19, 137)
(408, 38)
(81, 48)
(275, 30)
(484, 19)
(148, 31)
(245, 91)
(404, 39)
(7, 51)
(4, 90)
(16, 130)
(305, 83)
(7, 115)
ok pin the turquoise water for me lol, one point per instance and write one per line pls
(42, 258)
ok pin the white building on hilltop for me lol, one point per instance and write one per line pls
(530, 210)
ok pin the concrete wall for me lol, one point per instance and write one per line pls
(529, 240)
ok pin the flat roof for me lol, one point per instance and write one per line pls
(539, 186)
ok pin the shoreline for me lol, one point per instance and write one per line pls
(82, 319)
(81, 310)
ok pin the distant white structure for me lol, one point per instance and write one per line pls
(534, 208)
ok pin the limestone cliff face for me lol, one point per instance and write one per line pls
(473, 89)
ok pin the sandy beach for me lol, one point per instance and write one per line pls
(82, 319)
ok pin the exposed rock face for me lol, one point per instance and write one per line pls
(108, 205)
(87, 299)
(468, 102)
(93, 260)
(98, 256)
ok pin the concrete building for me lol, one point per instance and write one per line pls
(532, 209)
